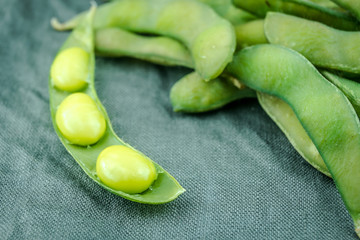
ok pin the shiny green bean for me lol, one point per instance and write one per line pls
(156, 188)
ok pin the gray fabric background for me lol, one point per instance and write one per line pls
(243, 178)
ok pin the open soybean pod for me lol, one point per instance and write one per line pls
(323, 110)
(323, 46)
(210, 38)
(302, 8)
(91, 146)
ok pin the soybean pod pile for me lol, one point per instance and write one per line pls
(300, 59)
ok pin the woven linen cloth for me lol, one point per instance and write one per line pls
(243, 178)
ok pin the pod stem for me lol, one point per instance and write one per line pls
(357, 228)
(68, 25)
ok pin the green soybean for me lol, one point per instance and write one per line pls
(163, 187)
(192, 94)
(124, 169)
(350, 88)
(116, 42)
(324, 46)
(323, 110)
(210, 38)
(69, 69)
(284, 117)
(79, 120)
(302, 8)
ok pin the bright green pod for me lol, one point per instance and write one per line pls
(302, 8)
(192, 94)
(324, 46)
(323, 110)
(350, 88)
(250, 33)
(164, 189)
(284, 117)
(351, 5)
(210, 38)
(116, 42)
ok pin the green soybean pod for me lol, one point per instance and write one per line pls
(302, 8)
(163, 188)
(250, 33)
(193, 95)
(350, 88)
(323, 110)
(116, 42)
(209, 37)
(284, 117)
(324, 46)
(351, 5)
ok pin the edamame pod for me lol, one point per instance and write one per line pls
(284, 117)
(350, 88)
(210, 38)
(163, 187)
(323, 110)
(324, 46)
(250, 33)
(302, 8)
(351, 5)
(116, 42)
(192, 94)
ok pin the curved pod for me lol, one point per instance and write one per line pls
(116, 42)
(324, 46)
(323, 110)
(284, 117)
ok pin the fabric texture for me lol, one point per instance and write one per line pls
(243, 178)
